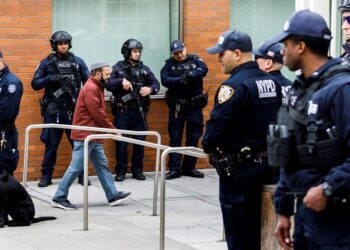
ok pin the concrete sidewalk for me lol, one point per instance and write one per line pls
(193, 218)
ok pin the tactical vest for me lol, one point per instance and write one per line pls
(69, 72)
(298, 142)
(138, 77)
(178, 69)
(181, 68)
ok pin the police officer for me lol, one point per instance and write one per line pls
(235, 137)
(61, 74)
(11, 90)
(311, 140)
(344, 9)
(268, 56)
(183, 75)
(131, 83)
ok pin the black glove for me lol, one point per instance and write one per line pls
(189, 75)
(185, 78)
(53, 79)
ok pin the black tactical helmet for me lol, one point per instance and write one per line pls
(128, 45)
(60, 36)
(344, 6)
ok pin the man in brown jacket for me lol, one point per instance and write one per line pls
(90, 111)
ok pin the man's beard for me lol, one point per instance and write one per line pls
(103, 82)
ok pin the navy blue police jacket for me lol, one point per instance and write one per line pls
(331, 101)
(47, 68)
(11, 90)
(244, 106)
(138, 72)
(173, 70)
(285, 83)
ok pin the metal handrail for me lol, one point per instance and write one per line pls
(106, 130)
(192, 151)
(183, 150)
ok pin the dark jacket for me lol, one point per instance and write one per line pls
(11, 90)
(172, 77)
(331, 103)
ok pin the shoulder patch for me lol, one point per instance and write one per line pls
(12, 88)
(225, 93)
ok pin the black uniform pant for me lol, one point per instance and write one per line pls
(240, 201)
(131, 120)
(9, 155)
(325, 230)
(193, 117)
(52, 138)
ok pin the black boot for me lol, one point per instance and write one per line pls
(44, 181)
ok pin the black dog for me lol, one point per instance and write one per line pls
(16, 202)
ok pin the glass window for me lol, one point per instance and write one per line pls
(99, 28)
(261, 19)
(337, 33)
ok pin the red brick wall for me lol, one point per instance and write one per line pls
(204, 23)
(26, 26)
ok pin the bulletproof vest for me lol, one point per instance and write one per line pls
(180, 68)
(195, 87)
(300, 142)
(69, 69)
(66, 92)
(137, 75)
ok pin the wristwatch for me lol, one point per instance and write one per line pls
(327, 189)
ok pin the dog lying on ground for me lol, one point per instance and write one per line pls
(16, 202)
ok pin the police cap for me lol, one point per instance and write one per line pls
(232, 40)
(268, 50)
(304, 23)
(176, 45)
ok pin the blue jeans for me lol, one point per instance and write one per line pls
(99, 161)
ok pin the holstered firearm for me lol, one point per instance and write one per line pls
(224, 164)
(43, 105)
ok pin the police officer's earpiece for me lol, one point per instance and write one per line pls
(128, 45)
(60, 36)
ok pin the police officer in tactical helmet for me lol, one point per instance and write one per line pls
(344, 9)
(310, 142)
(268, 56)
(183, 75)
(235, 137)
(131, 83)
(61, 75)
(11, 90)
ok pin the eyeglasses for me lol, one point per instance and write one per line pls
(347, 19)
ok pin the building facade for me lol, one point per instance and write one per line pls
(100, 27)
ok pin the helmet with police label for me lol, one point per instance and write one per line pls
(60, 36)
(344, 6)
(128, 45)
